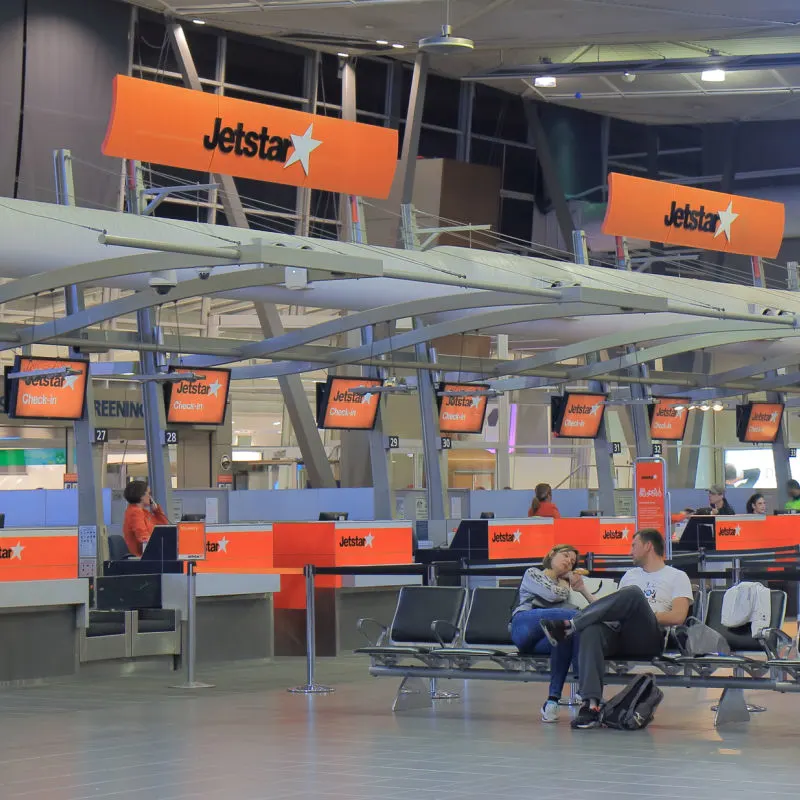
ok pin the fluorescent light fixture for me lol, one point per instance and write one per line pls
(544, 82)
(343, 55)
(705, 407)
(199, 21)
(246, 455)
(398, 46)
(717, 407)
(382, 41)
(276, 423)
(679, 408)
(713, 75)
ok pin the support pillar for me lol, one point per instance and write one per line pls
(319, 469)
(88, 456)
(604, 462)
(504, 410)
(310, 91)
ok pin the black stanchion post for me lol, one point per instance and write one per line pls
(311, 637)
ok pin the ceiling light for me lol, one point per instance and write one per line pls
(199, 21)
(398, 46)
(343, 55)
(628, 77)
(544, 82)
(717, 407)
(679, 408)
(705, 407)
(381, 41)
(276, 423)
(712, 75)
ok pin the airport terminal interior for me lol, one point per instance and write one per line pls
(400, 398)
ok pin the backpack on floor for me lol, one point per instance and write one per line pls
(635, 706)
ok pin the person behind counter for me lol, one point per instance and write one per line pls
(141, 516)
(720, 507)
(544, 594)
(793, 489)
(756, 504)
(542, 504)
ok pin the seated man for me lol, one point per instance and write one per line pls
(629, 623)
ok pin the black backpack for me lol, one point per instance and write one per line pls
(635, 706)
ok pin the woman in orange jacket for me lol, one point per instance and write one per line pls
(543, 505)
(141, 516)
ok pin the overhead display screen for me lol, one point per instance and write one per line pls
(48, 396)
(199, 402)
(758, 422)
(667, 422)
(577, 415)
(339, 408)
(461, 413)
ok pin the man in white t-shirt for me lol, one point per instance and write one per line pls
(629, 623)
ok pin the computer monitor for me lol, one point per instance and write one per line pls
(193, 518)
(2, 520)
(487, 515)
(588, 513)
(777, 511)
(333, 516)
(163, 544)
(698, 533)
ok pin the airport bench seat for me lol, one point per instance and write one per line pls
(483, 650)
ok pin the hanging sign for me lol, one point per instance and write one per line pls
(650, 493)
(682, 215)
(208, 132)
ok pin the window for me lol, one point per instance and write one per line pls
(264, 67)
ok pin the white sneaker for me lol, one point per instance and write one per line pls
(550, 711)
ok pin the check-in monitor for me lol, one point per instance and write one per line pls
(333, 516)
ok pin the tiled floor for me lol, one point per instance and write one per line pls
(248, 739)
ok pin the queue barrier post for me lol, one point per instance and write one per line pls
(191, 646)
(310, 686)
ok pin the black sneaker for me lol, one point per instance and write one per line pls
(586, 718)
(556, 630)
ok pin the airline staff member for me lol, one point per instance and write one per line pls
(543, 505)
(720, 507)
(141, 516)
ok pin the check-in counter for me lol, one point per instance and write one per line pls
(43, 604)
(234, 612)
(340, 600)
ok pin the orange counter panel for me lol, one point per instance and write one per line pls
(38, 557)
(238, 550)
(739, 533)
(520, 538)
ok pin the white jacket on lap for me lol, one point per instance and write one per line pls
(747, 602)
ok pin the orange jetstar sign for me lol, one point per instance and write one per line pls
(208, 132)
(199, 402)
(49, 396)
(764, 422)
(462, 413)
(668, 417)
(682, 215)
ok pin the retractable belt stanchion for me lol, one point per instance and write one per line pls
(310, 686)
(191, 601)
(436, 693)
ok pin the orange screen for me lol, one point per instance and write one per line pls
(199, 402)
(461, 414)
(581, 416)
(666, 422)
(682, 215)
(764, 422)
(49, 396)
(344, 410)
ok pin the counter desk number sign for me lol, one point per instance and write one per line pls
(658, 448)
(191, 541)
(394, 442)
(447, 443)
(792, 452)
(100, 435)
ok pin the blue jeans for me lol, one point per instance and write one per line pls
(528, 636)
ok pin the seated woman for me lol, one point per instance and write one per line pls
(544, 594)
(141, 516)
(543, 505)
(756, 504)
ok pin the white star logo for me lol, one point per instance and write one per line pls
(726, 219)
(70, 381)
(625, 532)
(517, 535)
(476, 401)
(16, 551)
(680, 412)
(223, 545)
(304, 146)
(368, 540)
(213, 388)
(773, 416)
(737, 531)
(367, 397)
(595, 409)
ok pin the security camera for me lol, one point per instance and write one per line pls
(629, 77)
(163, 281)
(204, 273)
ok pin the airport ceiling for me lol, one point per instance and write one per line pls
(588, 35)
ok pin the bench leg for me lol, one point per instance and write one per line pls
(440, 694)
(739, 673)
(412, 693)
(732, 708)
(574, 698)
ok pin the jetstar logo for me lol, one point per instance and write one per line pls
(616, 534)
(576, 408)
(220, 546)
(760, 416)
(10, 553)
(351, 397)
(211, 389)
(507, 536)
(52, 381)
(357, 541)
(691, 219)
(729, 531)
(667, 411)
(260, 144)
